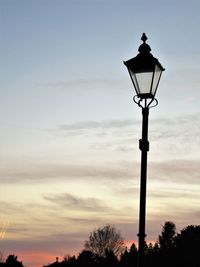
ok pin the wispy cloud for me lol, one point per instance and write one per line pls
(89, 125)
(176, 171)
(77, 203)
(64, 172)
(11, 208)
(179, 127)
(87, 84)
(99, 129)
(177, 135)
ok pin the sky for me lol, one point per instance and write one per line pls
(69, 129)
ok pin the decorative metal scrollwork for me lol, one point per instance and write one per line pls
(145, 103)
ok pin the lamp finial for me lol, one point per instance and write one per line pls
(144, 37)
(144, 48)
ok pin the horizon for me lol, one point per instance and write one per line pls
(47, 258)
(70, 159)
(61, 258)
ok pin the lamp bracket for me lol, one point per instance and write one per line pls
(144, 102)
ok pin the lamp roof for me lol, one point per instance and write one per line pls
(144, 59)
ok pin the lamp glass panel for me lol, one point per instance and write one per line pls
(134, 80)
(144, 81)
(156, 79)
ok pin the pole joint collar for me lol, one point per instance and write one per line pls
(144, 145)
(141, 235)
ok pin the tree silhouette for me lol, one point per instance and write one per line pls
(69, 261)
(12, 261)
(187, 246)
(110, 259)
(167, 254)
(103, 240)
(167, 237)
(86, 258)
(129, 257)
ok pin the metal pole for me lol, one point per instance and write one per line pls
(144, 147)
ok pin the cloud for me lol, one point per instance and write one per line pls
(173, 156)
(181, 126)
(89, 125)
(175, 135)
(54, 220)
(176, 171)
(168, 193)
(94, 220)
(186, 126)
(11, 208)
(63, 172)
(77, 203)
(99, 129)
(87, 84)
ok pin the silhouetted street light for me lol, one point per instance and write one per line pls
(145, 72)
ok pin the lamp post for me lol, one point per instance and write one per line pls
(145, 72)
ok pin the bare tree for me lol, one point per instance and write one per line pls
(105, 239)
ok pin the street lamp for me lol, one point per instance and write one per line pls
(145, 72)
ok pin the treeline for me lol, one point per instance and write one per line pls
(105, 248)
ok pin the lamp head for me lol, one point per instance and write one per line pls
(145, 71)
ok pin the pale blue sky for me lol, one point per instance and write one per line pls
(69, 130)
